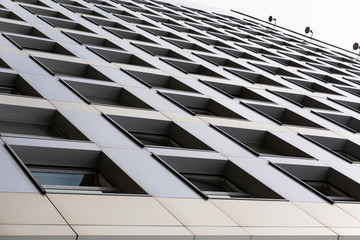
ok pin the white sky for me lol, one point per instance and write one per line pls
(332, 21)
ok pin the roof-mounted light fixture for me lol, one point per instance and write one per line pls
(356, 47)
(308, 30)
(271, 19)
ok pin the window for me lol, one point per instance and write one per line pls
(37, 43)
(73, 178)
(254, 49)
(183, 29)
(186, 45)
(72, 167)
(39, 122)
(324, 78)
(350, 123)
(286, 62)
(283, 115)
(131, 35)
(65, 24)
(160, 81)
(114, 10)
(210, 41)
(344, 148)
(262, 142)
(157, 18)
(4, 13)
(253, 77)
(355, 106)
(12, 83)
(92, 40)
(238, 54)
(105, 94)
(71, 69)
(121, 57)
(311, 86)
(237, 91)
(20, 29)
(223, 62)
(324, 181)
(353, 90)
(44, 11)
(215, 178)
(81, 10)
(161, 33)
(160, 51)
(198, 104)
(275, 70)
(192, 68)
(134, 20)
(157, 133)
(303, 100)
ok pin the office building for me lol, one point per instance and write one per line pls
(145, 119)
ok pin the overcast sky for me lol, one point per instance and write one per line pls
(332, 21)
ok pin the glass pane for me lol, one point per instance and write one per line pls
(327, 189)
(155, 139)
(212, 183)
(65, 179)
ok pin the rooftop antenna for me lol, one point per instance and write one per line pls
(308, 30)
(356, 47)
(271, 19)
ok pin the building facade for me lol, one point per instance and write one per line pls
(150, 120)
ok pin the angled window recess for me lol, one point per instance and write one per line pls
(182, 29)
(210, 41)
(130, 35)
(255, 78)
(12, 83)
(337, 64)
(353, 80)
(81, 10)
(262, 142)
(161, 33)
(324, 78)
(160, 51)
(34, 2)
(4, 13)
(266, 44)
(99, 2)
(283, 115)
(344, 148)
(215, 178)
(64, 24)
(79, 169)
(157, 133)
(20, 29)
(37, 43)
(238, 54)
(44, 11)
(186, 45)
(105, 94)
(241, 34)
(353, 90)
(36, 122)
(118, 56)
(69, 2)
(223, 62)
(179, 17)
(286, 62)
(114, 10)
(237, 91)
(254, 49)
(192, 68)
(303, 100)
(304, 52)
(311, 86)
(227, 37)
(160, 81)
(203, 27)
(136, 8)
(92, 40)
(350, 123)
(324, 181)
(71, 69)
(274, 70)
(355, 106)
(199, 105)
(104, 22)
(330, 70)
(298, 57)
(279, 42)
(356, 72)
(134, 20)
(157, 18)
